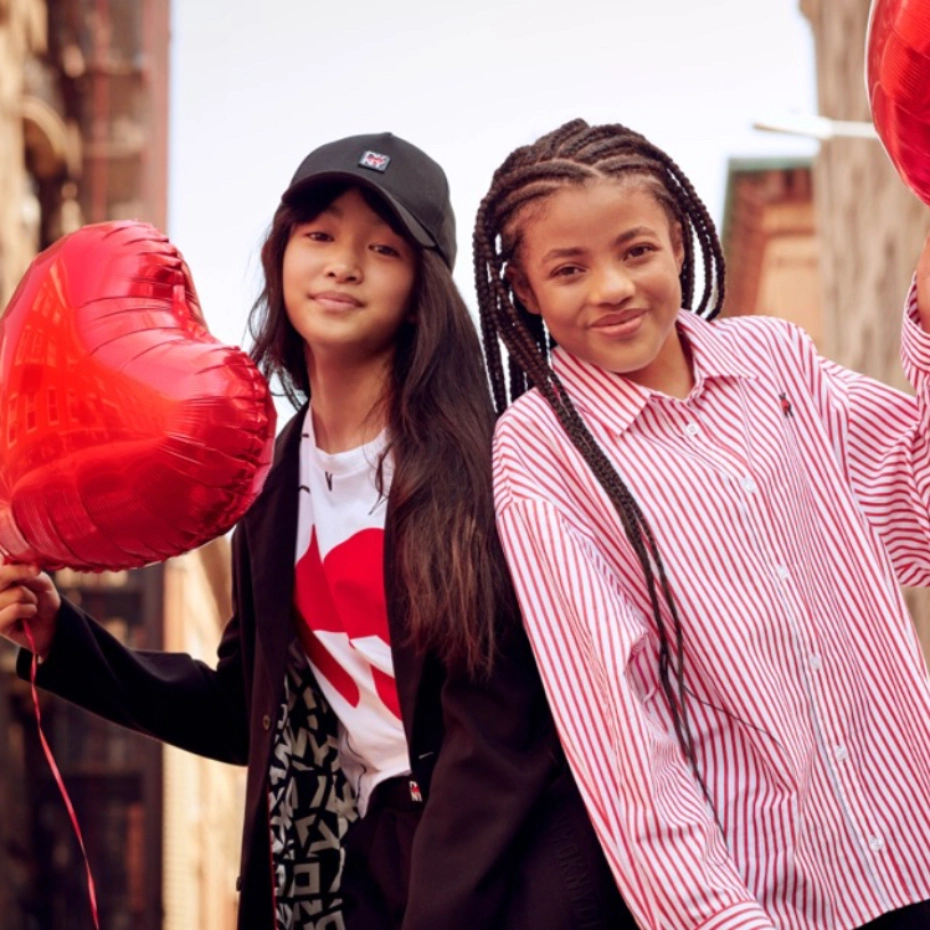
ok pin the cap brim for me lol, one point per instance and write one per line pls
(414, 227)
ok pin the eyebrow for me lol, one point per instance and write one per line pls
(575, 251)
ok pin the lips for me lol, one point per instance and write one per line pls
(624, 323)
(337, 300)
(618, 318)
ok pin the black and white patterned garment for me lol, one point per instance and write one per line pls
(310, 805)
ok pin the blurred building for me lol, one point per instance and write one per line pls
(831, 245)
(23, 37)
(83, 138)
(871, 226)
(204, 800)
(770, 240)
(83, 120)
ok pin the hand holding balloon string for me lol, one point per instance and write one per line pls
(29, 606)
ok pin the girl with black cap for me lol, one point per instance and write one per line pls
(403, 768)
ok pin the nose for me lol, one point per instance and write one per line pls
(613, 285)
(344, 266)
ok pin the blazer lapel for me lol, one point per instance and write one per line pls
(271, 528)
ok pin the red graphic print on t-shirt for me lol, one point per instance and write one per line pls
(344, 593)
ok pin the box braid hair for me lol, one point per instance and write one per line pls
(576, 153)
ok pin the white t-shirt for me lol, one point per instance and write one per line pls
(340, 599)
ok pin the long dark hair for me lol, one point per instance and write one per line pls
(440, 418)
(577, 153)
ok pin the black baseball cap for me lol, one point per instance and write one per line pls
(412, 184)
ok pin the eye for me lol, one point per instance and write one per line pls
(640, 250)
(383, 249)
(317, 235)
(566, 271)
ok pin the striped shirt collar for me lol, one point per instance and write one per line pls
(617, 402)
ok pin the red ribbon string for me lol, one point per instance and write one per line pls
(91, 888)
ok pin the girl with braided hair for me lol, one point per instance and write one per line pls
(707, 524)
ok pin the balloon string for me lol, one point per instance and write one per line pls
(91, 888)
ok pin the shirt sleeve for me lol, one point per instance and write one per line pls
(881, 437)
(660, 838)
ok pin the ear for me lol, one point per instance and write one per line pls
(521, 287)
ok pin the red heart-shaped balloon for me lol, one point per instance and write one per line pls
(128, 434)
(898, 84)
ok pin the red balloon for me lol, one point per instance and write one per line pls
(128, 434)
(898, 82)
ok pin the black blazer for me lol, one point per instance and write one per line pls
(504, 840)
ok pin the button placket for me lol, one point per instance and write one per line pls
(677, 417)
(682, 419)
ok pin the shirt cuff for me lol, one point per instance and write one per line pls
(747, 915)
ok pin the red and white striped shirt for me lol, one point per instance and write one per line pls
(789, 497)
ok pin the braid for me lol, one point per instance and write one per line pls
(572, 154)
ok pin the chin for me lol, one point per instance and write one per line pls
(625, 363)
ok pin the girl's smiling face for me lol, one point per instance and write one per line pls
(600, 262)
(347, 280)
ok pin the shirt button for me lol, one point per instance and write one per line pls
(841, 753)
(266, 722)
(876, 844)
(783, 572)
(749, 486)
(816, 663)
(691, 429)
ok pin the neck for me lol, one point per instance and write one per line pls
(347, 402)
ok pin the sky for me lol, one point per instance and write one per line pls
(256, 85)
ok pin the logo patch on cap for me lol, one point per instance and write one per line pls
(375, 160)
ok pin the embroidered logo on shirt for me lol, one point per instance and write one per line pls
(375, 160)
(329, 479)
(785, 404)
